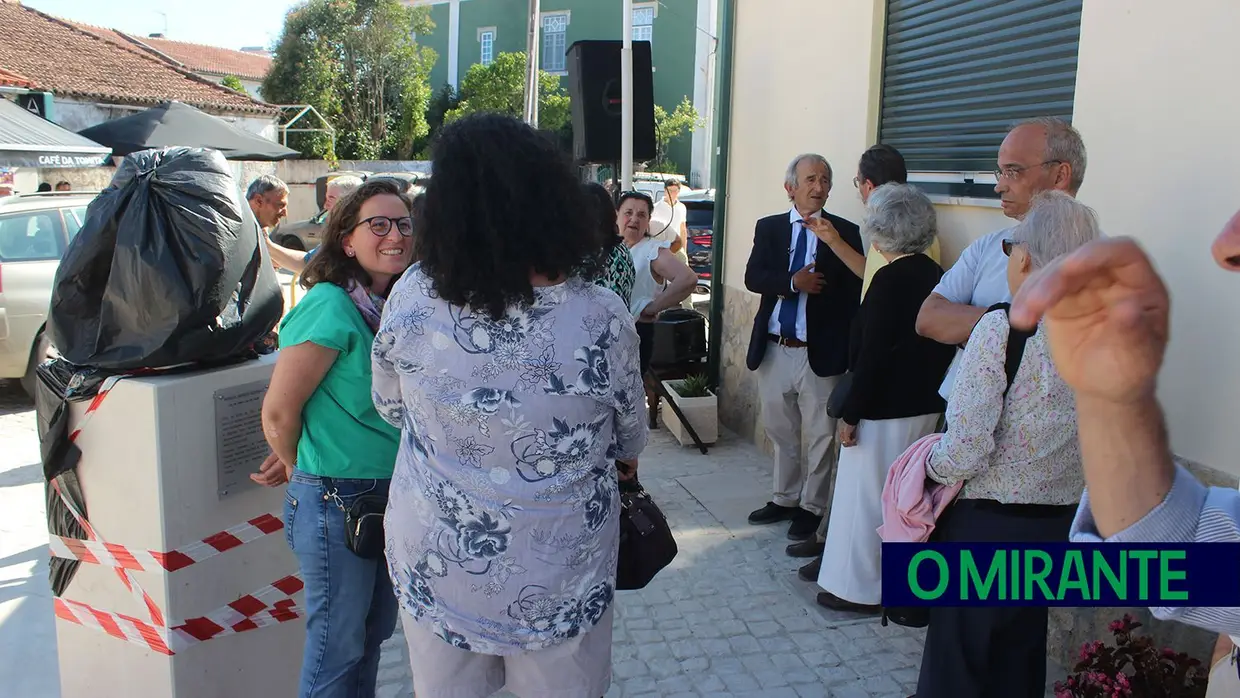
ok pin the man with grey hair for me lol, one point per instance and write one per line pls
(338, 188)
(295, 261)
(268, 197)
(802, 266)
(1042, 154)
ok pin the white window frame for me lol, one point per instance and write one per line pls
(558, 54)
(645, 32)
(987, 178)
(482, 46)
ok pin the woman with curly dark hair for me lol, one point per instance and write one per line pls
(330, 444)
(515, 382)
(618, 273)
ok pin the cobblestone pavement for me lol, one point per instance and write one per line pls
(728, 618)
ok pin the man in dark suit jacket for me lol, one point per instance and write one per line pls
(809, 277)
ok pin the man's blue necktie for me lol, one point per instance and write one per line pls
(788, 309)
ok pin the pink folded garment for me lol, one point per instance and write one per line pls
(912, 503)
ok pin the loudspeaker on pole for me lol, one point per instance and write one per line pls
(594, 88)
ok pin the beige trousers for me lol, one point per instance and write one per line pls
(794, 410)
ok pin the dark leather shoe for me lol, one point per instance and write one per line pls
(804, 525)
(809, 573)
(772, 513)
(835, 603)
(806, 548)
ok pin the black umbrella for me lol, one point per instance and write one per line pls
(175, 124)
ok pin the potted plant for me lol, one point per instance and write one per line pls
(1133, 668)
(699, 405)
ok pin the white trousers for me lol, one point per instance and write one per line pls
(794, 409)
(852, 561)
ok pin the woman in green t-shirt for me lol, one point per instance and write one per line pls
(331, 445)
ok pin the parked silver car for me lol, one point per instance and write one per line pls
(35, 230)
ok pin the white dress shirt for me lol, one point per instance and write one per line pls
(811, 253)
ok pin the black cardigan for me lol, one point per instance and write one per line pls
(897, 371)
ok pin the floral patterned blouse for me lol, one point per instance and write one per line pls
(619, 274)
(503, 517)
(1019, 450)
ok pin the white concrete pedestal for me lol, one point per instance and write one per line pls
(150, 476)
(702, 413)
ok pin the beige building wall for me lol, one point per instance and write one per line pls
(1157, 99)
(787, 99)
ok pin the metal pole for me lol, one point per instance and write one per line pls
(721, 136)
(531, 64)
(626, 99)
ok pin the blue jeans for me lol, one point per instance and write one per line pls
(350, 605)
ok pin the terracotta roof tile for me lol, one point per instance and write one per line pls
(75, 61)
(109, 34)
(11, 79)
(211, 59)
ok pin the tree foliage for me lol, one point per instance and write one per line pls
(357, 62)
(668, 127)
(500, 87)
(233, 82)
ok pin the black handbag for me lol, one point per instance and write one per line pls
(646, 541)
(839, 396)
(363, 522)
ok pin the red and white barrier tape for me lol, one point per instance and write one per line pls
(157, 617)
(105, 388)
(97, 552)
(268, 606)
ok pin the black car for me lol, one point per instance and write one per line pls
(700, 222)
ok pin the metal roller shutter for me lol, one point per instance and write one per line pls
(957, 73)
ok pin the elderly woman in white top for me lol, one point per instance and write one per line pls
(663, 279)
(1016, 450)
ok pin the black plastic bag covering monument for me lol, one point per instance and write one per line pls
(168, 268)
(168, 274)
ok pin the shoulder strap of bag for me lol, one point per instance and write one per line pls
(1015, 346)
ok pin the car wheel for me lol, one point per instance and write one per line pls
(702, 290)
(293, 243)
(41, 351)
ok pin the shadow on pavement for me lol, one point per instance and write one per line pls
(27, 629)
(24, 475)
(13, 399)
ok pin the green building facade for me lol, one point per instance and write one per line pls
(681, 32)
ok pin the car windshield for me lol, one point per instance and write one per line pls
(700, 217)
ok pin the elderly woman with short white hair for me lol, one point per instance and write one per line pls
(891, 399)
(1012, 440)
